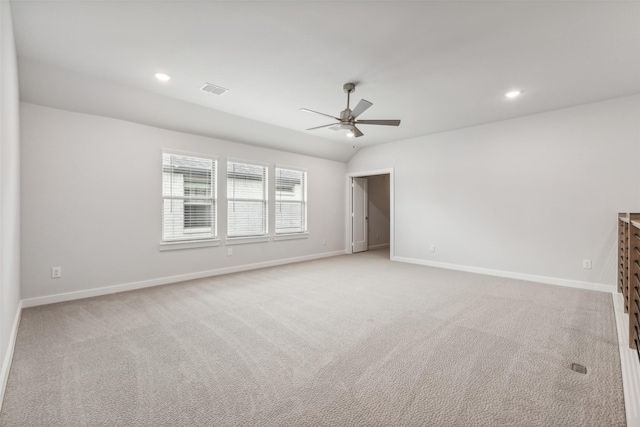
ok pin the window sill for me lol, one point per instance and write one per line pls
(172, 246)
(291, 236)
(243, 240)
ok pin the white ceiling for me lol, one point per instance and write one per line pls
(437, 66)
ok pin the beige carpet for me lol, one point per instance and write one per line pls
(346, 341)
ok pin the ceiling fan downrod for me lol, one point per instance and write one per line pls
(348, 88)
(345, 116)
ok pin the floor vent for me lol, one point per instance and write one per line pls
(216, 90)
(581, 369)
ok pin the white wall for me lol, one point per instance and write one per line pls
(534, 195)
(9, 190)
(91, 203)
(378, 192)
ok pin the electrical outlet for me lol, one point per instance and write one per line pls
(432, 248)
(586, 264)
(229, 251)
(324, 242)
(56, 272)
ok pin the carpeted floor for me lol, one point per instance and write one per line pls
(345, 341)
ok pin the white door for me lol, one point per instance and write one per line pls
(359, 216)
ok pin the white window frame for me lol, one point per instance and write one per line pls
(195, 242)
(288, 235)
(265, 236)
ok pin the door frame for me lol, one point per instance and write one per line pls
(349, 204)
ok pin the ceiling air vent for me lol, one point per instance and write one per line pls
(216, 90)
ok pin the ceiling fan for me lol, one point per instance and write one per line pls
(347, 119)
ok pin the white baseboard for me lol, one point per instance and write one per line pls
(629, 364)
(380, 246)
(8, 356)
(69, 296)
(512, 275)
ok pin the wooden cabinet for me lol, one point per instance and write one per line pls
(629, 272)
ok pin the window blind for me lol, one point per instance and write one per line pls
(291, 201)
(189, 198)
(246, 200)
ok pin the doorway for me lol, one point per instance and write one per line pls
(370, 211)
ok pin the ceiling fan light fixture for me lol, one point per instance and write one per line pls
(350, 134)
(163, 77)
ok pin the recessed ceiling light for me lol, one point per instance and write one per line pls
(163, 77)
(513, 94)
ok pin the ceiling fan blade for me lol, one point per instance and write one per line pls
(379, 122)
(356, 132)
(323, 126)
(360, 108)
(317, 112)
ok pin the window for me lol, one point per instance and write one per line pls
(189, 198)
(291, 201)
(197, 215)
(247, 200)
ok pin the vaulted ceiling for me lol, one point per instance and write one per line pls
(437, 66)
